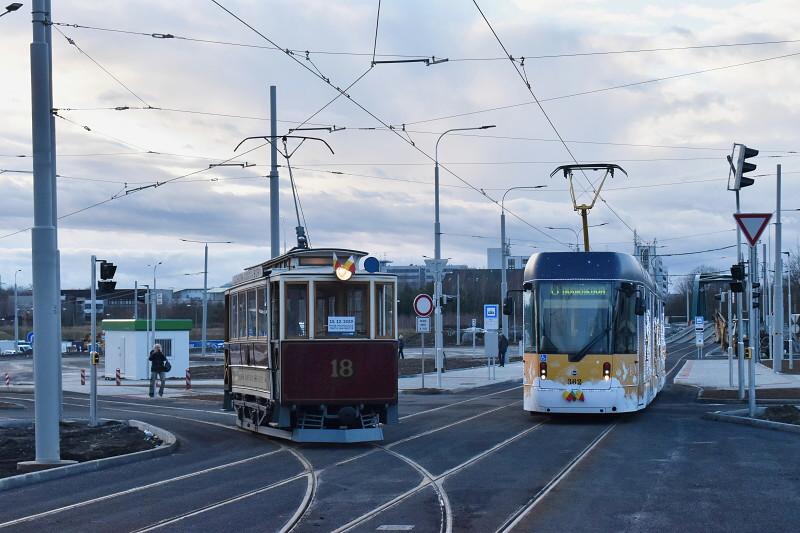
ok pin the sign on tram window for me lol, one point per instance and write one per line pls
(341, 324)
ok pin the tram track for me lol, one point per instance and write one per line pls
(309, 472)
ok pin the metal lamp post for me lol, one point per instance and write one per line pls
(503, 260)
(575, 232)
(437, 237)
(16, 313)
(205, 288)
(153, 304)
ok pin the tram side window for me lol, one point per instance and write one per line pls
(296, 310)
(232, 331)
(529, 321)
(275, 305)
(252, 313)
(263, 313)
(384, 310)
(625, 327)
(241, 312)
(235, 354)
(341, 310)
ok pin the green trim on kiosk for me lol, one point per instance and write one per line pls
(162, 324)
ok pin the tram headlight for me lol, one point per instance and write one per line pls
(343, 274)
(606, 371)
(543, 370)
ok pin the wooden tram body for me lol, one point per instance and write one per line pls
(309, 356)
(594, 334)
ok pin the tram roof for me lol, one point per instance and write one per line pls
(299, 257)
(586, 265)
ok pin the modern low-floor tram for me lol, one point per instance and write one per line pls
(594, 334)
(311, 347)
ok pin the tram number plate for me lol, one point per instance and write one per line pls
(341, 368)
(574, 381)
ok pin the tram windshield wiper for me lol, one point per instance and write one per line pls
(580, 354)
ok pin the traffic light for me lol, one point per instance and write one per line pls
(107, 271)
(739, 166)
(508, 305)
(94, 358)
(737, 273)
(756, 295)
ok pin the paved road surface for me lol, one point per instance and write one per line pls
(470, 461)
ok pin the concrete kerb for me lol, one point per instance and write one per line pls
(740, 416)
(170, 444)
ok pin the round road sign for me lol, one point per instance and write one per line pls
(423, 305)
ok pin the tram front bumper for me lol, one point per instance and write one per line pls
(577, 400)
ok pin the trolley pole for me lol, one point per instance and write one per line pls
(274, 200)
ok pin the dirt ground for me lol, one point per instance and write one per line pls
(408, 367)
(788, 414)
(79, 442)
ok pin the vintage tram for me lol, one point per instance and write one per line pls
(311, 347)
(594, 334)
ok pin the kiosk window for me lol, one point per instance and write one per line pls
(296, 310)
(384, 310)
(341, 310)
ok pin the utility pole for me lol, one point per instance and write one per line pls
(204, 336)
(458, 308)
(274, 199)
(135, 300)
(93, 348)
(730, 338)
(754, 340)
(44, 249)
(16, 313)
(739, 309)
(777, 306)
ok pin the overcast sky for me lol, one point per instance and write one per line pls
(671, 136)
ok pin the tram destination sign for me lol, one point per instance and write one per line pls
(248, 275)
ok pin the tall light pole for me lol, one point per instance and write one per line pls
(575, 232)
(205, 289)
(16, 313)
(153, 303)
(503, 261)
(437, 254)
(11, 7)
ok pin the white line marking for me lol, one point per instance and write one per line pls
(523, 512)
(459, 402)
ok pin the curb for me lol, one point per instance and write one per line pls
(737, 418)
(24, 389)
(170, 443)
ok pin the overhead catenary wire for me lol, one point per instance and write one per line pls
(176, 37)
(547, 117)
(383, 122)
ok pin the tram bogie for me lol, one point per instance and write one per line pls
(594, 334)
(315, 359)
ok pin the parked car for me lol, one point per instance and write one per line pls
(9, 352)
(26, 349)
(466, 334)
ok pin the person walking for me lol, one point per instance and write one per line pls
(157, 368)
(401, 343)
(502, 347)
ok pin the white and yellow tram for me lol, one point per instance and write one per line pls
(594, 334)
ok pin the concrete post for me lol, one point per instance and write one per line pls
(205, 300)
(274, 186)
(777, 306)
(93, 347)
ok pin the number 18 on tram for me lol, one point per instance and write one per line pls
(594, 334)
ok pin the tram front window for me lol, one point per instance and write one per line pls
(296, 310)
(574, 317)
(341, 309)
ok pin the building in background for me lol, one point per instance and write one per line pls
(494, 261)
(647, 255)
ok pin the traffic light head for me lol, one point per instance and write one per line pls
(107, 270)
(740, 166)
(737, 272)
(106, 286)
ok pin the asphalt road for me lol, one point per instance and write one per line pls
(471, 461)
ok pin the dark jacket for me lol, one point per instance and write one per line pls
(502, 344)
(157, 360)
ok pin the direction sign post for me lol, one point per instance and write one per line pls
(752, 226)
(423, 327)
(423, 307)
(699, 334)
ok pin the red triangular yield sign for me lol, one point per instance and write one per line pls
(752, 225)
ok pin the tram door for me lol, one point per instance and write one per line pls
(641, 359)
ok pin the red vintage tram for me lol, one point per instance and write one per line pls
(311, 347)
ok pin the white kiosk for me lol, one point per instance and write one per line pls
(127, 347)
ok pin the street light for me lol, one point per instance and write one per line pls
(16, 313)
(11, 7)
(437, 238)
(575, 232)
(205, 289)
(503, 261)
